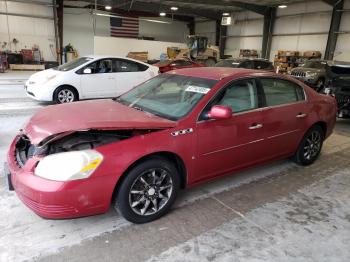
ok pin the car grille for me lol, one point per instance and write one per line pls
(30, 93)
(298, 74)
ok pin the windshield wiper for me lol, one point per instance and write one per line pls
(137, 108)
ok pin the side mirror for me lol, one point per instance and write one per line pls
(87, 71)
(220, 112)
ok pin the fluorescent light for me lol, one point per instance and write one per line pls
(156, 21)
(162, 14)
(143, 19)
(282, 6)
(108, 7)
(225, 14)
(174, 8)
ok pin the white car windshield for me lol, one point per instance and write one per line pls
(168, 95)
(73, 64)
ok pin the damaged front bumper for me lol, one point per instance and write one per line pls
(55, 199)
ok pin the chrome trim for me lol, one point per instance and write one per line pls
(232, 147)
(282, 134)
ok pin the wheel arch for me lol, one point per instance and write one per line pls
(321, 124)
(65, 85)
(171, 156)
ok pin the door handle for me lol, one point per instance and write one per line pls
(301, 115)
(255, 126)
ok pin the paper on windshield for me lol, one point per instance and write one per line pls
(197, 89)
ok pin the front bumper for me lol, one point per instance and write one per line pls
(56, 199)
(39, 93)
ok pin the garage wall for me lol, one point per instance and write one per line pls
(206, 28)
(342, 51)
(297, 30)
(28, 31)
(246, 33)
(301, 26)
(122, 46)
(78, 29)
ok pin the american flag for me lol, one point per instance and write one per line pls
(124, 27)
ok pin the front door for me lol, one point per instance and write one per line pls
(100, 82)
(226, 145)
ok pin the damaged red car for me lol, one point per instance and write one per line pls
(174, 131)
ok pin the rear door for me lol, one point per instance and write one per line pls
(129, 74)
(225, 145)
(285, 115)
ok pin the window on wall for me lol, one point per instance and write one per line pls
(279, 92)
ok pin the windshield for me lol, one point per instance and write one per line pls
(228, 63)
(168, 95)
(314, 64)
(73, 64)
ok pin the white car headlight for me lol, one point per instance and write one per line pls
(69, 165)
(311, 74)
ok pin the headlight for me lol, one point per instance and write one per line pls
(69, 165)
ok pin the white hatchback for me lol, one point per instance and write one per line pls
(89, 77)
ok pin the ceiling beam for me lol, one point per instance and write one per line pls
(156, 7)
(331, 2)
(225, 4)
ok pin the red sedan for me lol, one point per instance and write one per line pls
(181, 63)
(173, 131)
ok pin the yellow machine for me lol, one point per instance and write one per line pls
(198, 50)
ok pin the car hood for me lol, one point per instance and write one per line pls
(97, 114)
(44, 76)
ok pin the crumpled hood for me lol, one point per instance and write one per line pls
(94, 114)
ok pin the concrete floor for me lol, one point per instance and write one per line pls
(277, 212)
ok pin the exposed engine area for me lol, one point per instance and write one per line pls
(80, 140)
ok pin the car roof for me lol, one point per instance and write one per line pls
(113, 56)
(218, 73)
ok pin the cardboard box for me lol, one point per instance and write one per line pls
(312, 54)
(141, 56)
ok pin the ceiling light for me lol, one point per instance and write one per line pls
(226, 14)
(108, 7)
(282, 6)
(162, 14)
(174, 8)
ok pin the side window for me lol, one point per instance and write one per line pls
(278, 92)
(240, 96)
(100, 66)
(246, 64)
(121, 65)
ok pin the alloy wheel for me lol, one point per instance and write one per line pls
(151, 191)
(65, 96)
(312, 145)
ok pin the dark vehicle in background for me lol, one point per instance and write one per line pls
(312, 73)
(248, 63)
(167, 65)
(338, 84)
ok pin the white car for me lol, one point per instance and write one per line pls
(89, 77)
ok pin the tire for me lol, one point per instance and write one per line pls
(65, 94)
(310, 147)
(148, 190)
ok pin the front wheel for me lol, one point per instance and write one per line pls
(65, 94)
(310, 147)
(148, 190)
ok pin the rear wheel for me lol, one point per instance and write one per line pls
(148, 190)
(310, 147)
(65, 94)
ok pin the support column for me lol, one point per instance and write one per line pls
(60, 28)
(191, 27)
(222, 43)
(217, 32)
(269, 22)
(333, 30)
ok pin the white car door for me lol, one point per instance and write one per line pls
(99, 80)
(130, 74)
